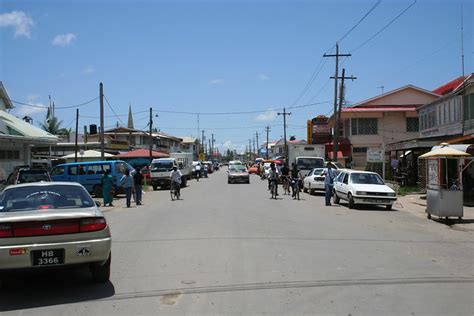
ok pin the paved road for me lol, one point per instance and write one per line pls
(229, 249)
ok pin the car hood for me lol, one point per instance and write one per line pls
(238, 173)
(372, 188)
(38, 215)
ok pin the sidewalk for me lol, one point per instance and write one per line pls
(414, 204)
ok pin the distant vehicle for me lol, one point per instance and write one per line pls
(306, 156)
(27, 175)
(362, 187)
(210, 166)
(161, 168)
(314, 180)
(89, 174)
(235, 162)
(52, 224)
(201, 169)
(255, 169)
(237, 173)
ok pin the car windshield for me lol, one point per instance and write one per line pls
(310, 163)
(162, 166)
(366, 178)
(318, 171)
(27, 198)
(237, 168)
(28, 176)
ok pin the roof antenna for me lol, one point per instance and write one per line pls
(381, 87)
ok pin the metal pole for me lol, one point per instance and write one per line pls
(151, 135)
(102, 143)
(77, 133)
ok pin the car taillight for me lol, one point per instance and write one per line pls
(6, 230)
(92, 224)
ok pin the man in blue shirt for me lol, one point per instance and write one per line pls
(330, 175)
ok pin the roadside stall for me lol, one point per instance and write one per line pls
(444, 194)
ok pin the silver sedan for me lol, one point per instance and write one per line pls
(53, 224)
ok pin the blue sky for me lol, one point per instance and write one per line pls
(221, 56)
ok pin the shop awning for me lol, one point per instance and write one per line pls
(460, 147)
(445, 150)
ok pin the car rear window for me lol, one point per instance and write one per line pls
(28, 176)
(37, 197)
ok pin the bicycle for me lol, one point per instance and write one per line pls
(286, 185)
(296, 188)
(273, 189)
(175, 191)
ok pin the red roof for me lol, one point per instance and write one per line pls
(450, 86)
(142, 153)
(384, 108)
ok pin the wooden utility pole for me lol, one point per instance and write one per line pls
(250, 149)
(151, 135)
(212, 147)
(256, 135)
(202, 142)
(284, 113)
(336, 77)
(338, 116)
(77, 133)
(267, 129)
(102, 142)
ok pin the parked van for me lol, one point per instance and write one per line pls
(89, 174)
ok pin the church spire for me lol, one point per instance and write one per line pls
(130, 117)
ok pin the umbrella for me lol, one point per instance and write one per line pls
(445, 151)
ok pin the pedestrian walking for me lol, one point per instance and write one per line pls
(329, 174)
(127, 183)
(107, 187)
(138, 181)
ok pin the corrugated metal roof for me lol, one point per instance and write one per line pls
(11, 125)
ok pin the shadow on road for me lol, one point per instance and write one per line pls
(23, 290)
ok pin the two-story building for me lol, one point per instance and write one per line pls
(17, 138)
(190, 145)
(369, 126)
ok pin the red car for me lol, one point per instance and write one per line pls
(255, 169)
(146, 173)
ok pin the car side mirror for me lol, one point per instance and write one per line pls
(98, 204)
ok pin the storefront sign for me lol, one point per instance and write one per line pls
(374, 155)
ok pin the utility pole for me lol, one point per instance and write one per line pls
(335, 146)
(267, 129)
(253, 148)
(256, 135)
(212, 147)
(284, 113)
(202, 142)
(250, 149)
(85, 134)
(336, 76)
(77, 133)
(102, 142)
(151, 135)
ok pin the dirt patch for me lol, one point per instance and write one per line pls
(170, 299)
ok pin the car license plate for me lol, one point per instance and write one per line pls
(47, 257)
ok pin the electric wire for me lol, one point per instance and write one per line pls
(113, 111)
(56, 107)
(384, 27)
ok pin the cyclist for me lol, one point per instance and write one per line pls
(285, 172)
(273, 177)
(295, 176)
(175, 177)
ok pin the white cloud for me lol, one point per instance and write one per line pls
(263, 77)
(269, 115)
(24, 110)
(64, 39)
(19, 20)
(216, 81)
(88, 70)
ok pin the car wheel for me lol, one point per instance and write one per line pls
(248, 181)
(101, 273)
(304, 189)
(312, 192)
(155, 187)
(388, 207)
(97, 190)
(336, 198)
(350, 199)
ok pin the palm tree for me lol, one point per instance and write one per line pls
(66, 132)
(52, 125)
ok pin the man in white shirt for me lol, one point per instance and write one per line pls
(175, 177)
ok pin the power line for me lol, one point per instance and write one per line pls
(361, 19)
(56, 107)
(384, 27)
(113, 111)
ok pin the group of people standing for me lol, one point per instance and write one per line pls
(131, 184)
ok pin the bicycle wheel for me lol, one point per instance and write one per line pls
(172, 193)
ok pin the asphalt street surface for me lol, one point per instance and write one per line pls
(229, 249)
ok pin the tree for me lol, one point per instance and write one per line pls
(52, 125)
(65, 132)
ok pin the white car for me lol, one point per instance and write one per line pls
(314, 180)
(362, 187)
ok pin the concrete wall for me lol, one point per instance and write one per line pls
(7, 165)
